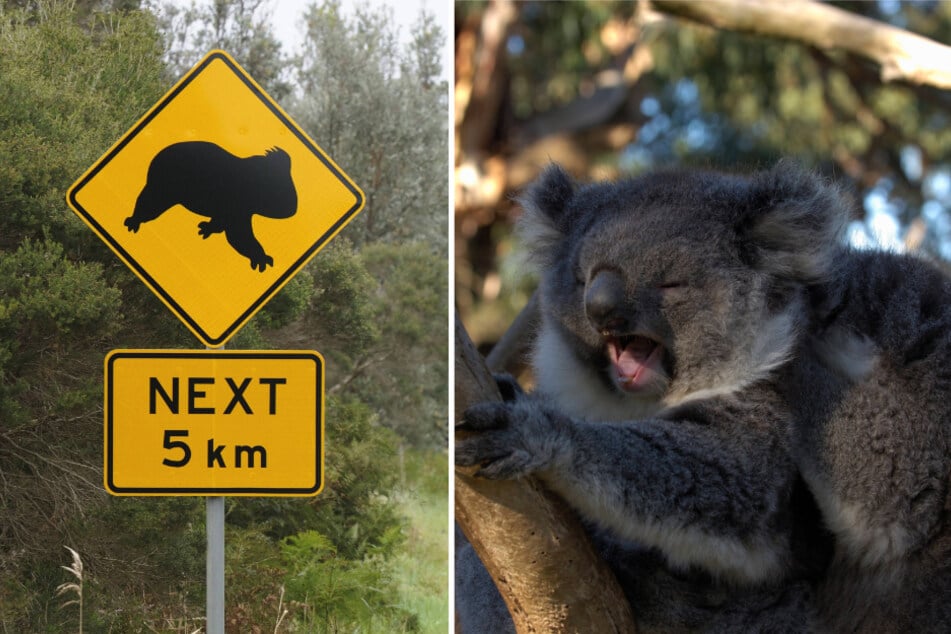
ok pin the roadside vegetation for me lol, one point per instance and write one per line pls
(369, 553)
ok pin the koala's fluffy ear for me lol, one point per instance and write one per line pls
(544, 222)
(793, 224)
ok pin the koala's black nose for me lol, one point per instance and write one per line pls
(604, 301)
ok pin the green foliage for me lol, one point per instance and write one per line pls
(369, 100)
(330, 546)
(379, 317)
(254, 575)
(773, 98)
(240, 27)
(356, 510)
(74, 78)
(415, 283)
(408, 379)
(427, 471)
(343, 299)
(341, 593)
(16, 598)
(72, 85)
(289, 304)
(68, 94)
(46, 304)
(45, 296)
(69, 90)
(568, 32)
(137, 546)
(336, 550)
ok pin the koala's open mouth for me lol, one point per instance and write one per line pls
(636, 362)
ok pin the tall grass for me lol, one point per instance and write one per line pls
(422, 569)
(76, 587)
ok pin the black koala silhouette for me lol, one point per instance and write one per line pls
(208, 180)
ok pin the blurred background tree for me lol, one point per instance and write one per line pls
(75, 76)
(609, 89)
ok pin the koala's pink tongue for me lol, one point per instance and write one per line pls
(633, 363)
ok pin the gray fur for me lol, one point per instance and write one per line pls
(774, 429)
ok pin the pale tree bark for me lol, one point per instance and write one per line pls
(532, 545)
(901, 55)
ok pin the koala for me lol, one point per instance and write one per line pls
(209, 181)
(752, 419)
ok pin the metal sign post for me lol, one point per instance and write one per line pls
(215, 565)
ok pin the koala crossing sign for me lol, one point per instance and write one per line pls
(215, 198)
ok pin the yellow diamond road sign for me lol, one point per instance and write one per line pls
(215, 198)
(214, 422)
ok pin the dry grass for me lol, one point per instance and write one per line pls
(76, 587)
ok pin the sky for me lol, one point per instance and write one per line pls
(288, 24)
(289, 28)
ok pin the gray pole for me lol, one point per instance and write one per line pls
(215, 568)
(215, 564)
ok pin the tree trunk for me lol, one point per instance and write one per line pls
(529, 540)
(901, 55)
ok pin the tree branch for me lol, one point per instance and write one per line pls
(530, 542)
(511, 350)
(901, 55)
(358, 368)
(480, 87)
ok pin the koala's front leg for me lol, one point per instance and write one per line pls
(512, 439)
(708, 487)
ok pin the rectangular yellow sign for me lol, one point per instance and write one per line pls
(214, 422)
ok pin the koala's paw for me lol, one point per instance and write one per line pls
(261, 262)
(206, 229)
(507, 440)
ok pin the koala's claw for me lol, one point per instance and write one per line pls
(489, 445)
(261, 262)
(495, 462)
(508, 467)
(506, 440)
(206, 229)
(484, 417)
